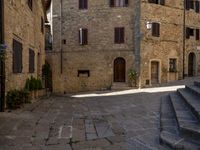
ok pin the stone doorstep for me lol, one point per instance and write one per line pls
(193, 89)
(197, 83)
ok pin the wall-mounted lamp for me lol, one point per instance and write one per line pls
(149, 25)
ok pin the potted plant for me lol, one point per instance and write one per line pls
(132, 75)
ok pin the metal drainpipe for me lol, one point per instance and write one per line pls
(2, 63)
(61, 31)
(184, 7)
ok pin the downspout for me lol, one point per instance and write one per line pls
(61, 44)
(184, 7)
(2, 62)
(137, 39)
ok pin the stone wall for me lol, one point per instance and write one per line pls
(23, 25)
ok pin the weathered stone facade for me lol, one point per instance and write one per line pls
(139, 49)
(23, 25)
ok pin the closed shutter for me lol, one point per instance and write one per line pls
(17, 57)
(162, 2)
(85, 4)
(121, 35)
(85, 36)
(126, 2)
(197, 6)
(116, 35)
(187, 4)
(31, 61)
(112, 3)
(155, 29)
(187, 33)
(197, 34)
(191, 2)
(80, 4)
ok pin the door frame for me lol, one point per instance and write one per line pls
(159, 70)
(124, 69)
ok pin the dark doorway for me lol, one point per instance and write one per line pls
(191, 64)
(119, 70)
(154, 72)
(47, 76)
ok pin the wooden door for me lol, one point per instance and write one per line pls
(191, 64)
(154, 72)
(119, 70)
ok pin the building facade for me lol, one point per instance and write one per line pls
(96, 43)
(25, 41)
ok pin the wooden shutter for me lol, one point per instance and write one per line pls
(112, 3)
(155, 29)
(162, 2)
(187, 4)
(187, 33)
(197, 6)
(191, 3)
(31, 61)
(126, 3)
(85, 4)
(17, 57)
(197, 34)
(117, 35)
(85, 36)
(121, 35)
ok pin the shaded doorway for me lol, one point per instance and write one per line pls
(154, 72)
(191, 64)
(47, 76)
(119, 70)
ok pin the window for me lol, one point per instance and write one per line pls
(83, 4)
(161, 2)
(118, 3)
(197, 34)
(42, 25)
(17, 57)
(197, 8)
(191, 3)
(31, 61)
(30, 4)
(119, 35)
(155, 29)
(83, 36)
(85, 73)
(172, 65)
(189, 32)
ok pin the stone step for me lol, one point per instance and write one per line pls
(194, 89)
(167, 116)
(192, 100)
(120, 86)
(197, 83)
(188, 124)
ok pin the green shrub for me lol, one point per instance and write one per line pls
(15, 98)
(33, 84)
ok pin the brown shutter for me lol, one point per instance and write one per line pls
(112, 3)
(191, 2)
(121, 35)
(187, 4)
(31, 61)
(187, 33)
(116, 35)
(197, 6)
(162, 2)
(85, 4)
(155, 29)
(85, 36)
(126, 2)
(197, 34)
(17, 57)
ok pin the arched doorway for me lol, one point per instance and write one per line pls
(119, 70)
(154, 72)
(191, 64)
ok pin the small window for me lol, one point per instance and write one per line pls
(17, 57)
(191, 3)
(85, 73)
(119, 35)
(161, 2)
(83, 36)
(197, 8)
(83, 4)
(172, 65)
(118, 3)
(42, 25)
(30, 4)
(31, 61)
(187, 4)
(191, 32)
(155, 29)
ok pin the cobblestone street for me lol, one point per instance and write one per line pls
(111, 121)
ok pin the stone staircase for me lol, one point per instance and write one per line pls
(180, 119)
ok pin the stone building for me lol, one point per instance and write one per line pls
(96, 43)
(24, 39)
